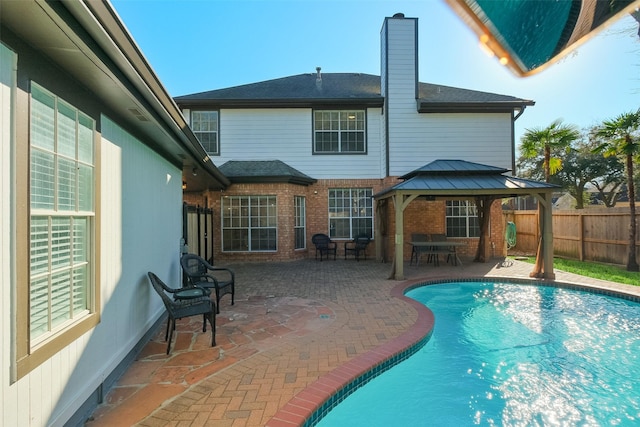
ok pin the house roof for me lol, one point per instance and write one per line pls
(299, 90)
(459, 178)
(261, 171)
(442, 99)
(304, 90)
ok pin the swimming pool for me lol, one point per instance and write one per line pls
(510, 354)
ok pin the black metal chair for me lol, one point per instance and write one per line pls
(357, 246)
(202, 274)
(416, 251)
(180, 308)
(444, 250)
(324, 245)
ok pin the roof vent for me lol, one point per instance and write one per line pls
(138, 115)
(318, 78)
(399, 15)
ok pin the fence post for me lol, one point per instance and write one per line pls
(581, 245)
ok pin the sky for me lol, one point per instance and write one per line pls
(201, 45)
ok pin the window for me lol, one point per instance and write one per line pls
(462, 219)
(249, 223)
(339, 131)
(205, 127)
(61, 215)
(350, 212)
(300, 222)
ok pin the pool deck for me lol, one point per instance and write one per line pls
(298, 332)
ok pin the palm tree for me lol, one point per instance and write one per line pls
(556, 136)
(623, 139)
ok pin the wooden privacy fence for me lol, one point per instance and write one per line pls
(600, 235)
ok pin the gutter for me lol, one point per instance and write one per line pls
(102, 22)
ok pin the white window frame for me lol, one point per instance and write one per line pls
(350, 212)
(249, 223)
(335, 130)
(62, 216)
(461, 215)
(299, 228)
(205, 125)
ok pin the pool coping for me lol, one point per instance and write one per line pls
(309, 406)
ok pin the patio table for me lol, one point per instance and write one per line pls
(436, 248)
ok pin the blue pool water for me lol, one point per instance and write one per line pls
(510, 355)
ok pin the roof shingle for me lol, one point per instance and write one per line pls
(346, 88)
(260, 171)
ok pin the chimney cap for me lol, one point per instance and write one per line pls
(399, 15)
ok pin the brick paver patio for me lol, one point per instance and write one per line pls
(295, 326)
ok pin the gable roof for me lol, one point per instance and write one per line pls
(443, 99)
(299, 90)
(261, 171)
(304, 90)
(459, 178)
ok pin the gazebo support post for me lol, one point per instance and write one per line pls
(380, 230)
(483, 205)
(400, 202)
(548, 238)
(543, 267)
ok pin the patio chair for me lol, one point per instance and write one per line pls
(324, 245)
(416, 251)
(202, 274)
(444, 250)
(357, 246)
(180, 308)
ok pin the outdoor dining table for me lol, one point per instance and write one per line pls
(436, 247)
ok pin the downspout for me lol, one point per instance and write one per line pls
(385, 88)
(513, 136)
(524, 107)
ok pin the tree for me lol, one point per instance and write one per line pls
(581, 166)
(538, 142)
(622, 136)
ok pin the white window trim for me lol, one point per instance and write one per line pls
(340, 131)
(249, 227)
(350, 217)
(468, 216)
(215, 132)
(300, 220)
(85, 264)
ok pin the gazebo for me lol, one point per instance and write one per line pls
(459, 179)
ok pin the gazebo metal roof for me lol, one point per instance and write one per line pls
(463, 178)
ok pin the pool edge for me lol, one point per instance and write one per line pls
(310, 405)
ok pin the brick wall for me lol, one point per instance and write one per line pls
(420, 216)
(423, 216)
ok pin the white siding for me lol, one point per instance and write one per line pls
(287, 135)
(417, 139)
(401, 60)
(8, 395)
(140, 212)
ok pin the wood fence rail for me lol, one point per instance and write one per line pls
(600, 235)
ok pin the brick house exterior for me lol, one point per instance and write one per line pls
(404, 124)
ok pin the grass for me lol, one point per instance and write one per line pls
(594, 270)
